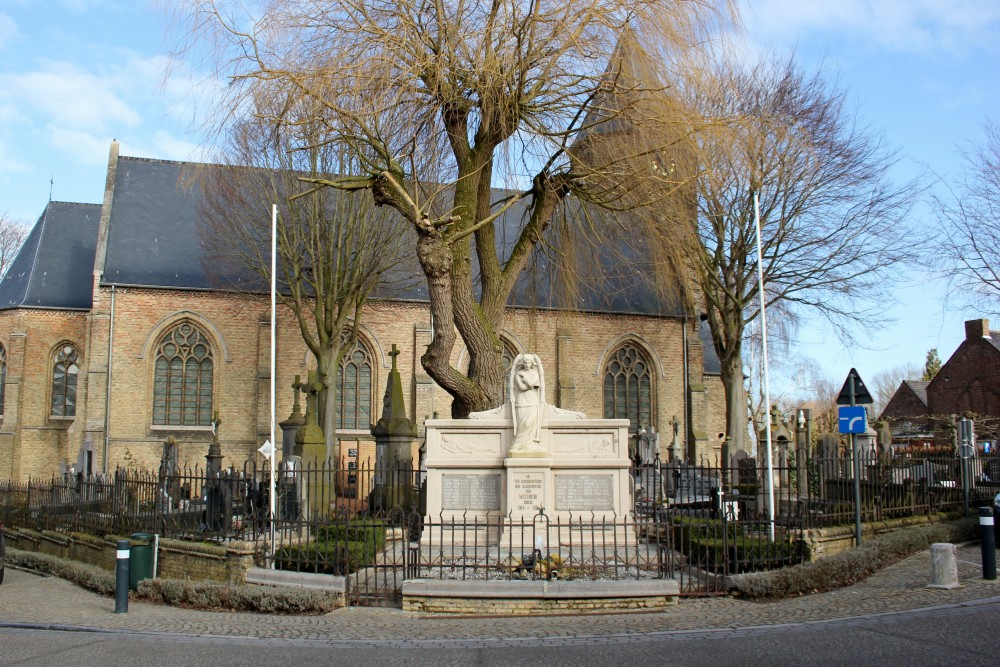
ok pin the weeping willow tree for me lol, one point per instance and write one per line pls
(460, 115)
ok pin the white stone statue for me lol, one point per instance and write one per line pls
(527, 396)
(527, 409)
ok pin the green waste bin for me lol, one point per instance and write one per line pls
(140, 559)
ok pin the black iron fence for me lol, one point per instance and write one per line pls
(695, 523)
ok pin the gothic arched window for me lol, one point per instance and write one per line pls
(354, 390)
(64, 372)
(628, 387)
(182, 378)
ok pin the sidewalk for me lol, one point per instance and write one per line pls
(30, 600)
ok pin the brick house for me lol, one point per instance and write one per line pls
(968, 384)
(113, 338)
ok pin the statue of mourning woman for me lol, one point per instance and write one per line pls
(527, 407)
(527, 397)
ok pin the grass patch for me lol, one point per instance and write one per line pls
(849, 567)
(195, 594)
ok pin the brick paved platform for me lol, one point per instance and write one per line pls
(28, 600)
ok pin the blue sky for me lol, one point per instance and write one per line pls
(74, 74)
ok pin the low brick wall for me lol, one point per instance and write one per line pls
(176, 559)
(825, 542)
(538, 597)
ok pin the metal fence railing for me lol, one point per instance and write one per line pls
(695, 523)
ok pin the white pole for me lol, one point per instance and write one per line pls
(767, 389)
(274, 308)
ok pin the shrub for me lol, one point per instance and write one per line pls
(849, 567)
(202, 594)
(369, 531)
(338, 558)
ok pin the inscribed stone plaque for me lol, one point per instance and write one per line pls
(585, 492)
(528, 492)
(470, 492)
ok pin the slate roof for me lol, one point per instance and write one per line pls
(54, 268)
(155, 240)
(919, 388)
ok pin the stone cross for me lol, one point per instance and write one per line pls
(296, 388)
(312, 387)
(394, 353)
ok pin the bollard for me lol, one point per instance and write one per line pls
(121, 578)
(988, 543)
(944, 566)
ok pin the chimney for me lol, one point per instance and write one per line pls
(977, 329)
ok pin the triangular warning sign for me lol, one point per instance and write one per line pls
(861, 394)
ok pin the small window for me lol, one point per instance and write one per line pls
(354, 392)
(628, 387)
(64, 374)
(182, 378)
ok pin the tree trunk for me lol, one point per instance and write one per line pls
(736, 401)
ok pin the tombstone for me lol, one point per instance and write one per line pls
(218, 514)
(694, 485)
(829, 456)
(744, 468)
(310, 441)
(648, 446)
(394, 435)
(169, 478)
(676, 451)
(803, 436)
(884, 437)
(290, 427)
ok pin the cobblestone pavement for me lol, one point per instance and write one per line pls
(28, 600)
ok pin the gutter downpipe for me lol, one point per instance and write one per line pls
(107, 392)
(687, 390)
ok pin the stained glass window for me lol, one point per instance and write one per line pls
(64, 374)
(182, 379)
(354, 378)
(628, 387)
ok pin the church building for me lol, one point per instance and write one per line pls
(113, 337)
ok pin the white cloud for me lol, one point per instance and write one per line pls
(927, 27)
(8, 30)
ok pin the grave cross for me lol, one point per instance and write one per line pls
(312, 388)
(394, 353)
(297, 386)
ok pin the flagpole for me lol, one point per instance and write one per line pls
(274, 308)
(767, 389)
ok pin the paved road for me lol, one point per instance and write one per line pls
(890, 615)
(962, 634)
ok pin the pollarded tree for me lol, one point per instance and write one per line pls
(333, 250)
(439, 103)
(970, 217)
(833, 231)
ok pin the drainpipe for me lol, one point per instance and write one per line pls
(687, 392)
(107, 392)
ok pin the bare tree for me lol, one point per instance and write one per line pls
(333, 250)
(832, 222)
(12, 235)
(885, 383)
(439, 103)
(970, 215)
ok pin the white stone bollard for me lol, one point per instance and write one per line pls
(944, 566)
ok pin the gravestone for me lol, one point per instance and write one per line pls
(694, 485)
(394, 434)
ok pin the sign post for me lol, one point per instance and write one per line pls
(854, 392)
(966, 448)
